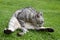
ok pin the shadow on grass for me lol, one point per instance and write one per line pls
(30, 35)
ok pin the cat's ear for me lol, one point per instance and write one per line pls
(37, 15)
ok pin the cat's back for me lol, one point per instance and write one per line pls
(26, 13)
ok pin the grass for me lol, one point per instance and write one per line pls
(51, 9)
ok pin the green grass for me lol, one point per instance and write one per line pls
(51, 9)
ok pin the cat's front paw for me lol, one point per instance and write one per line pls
(20, 34)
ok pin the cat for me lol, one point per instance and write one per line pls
(26, 18)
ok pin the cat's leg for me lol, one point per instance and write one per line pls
(13, 25)
(47, 29)
(24, 30)
(42, 28)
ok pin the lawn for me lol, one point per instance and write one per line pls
(51, 12)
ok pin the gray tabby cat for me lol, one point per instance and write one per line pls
(26, 18)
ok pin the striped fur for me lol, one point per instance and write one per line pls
(27, 18)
